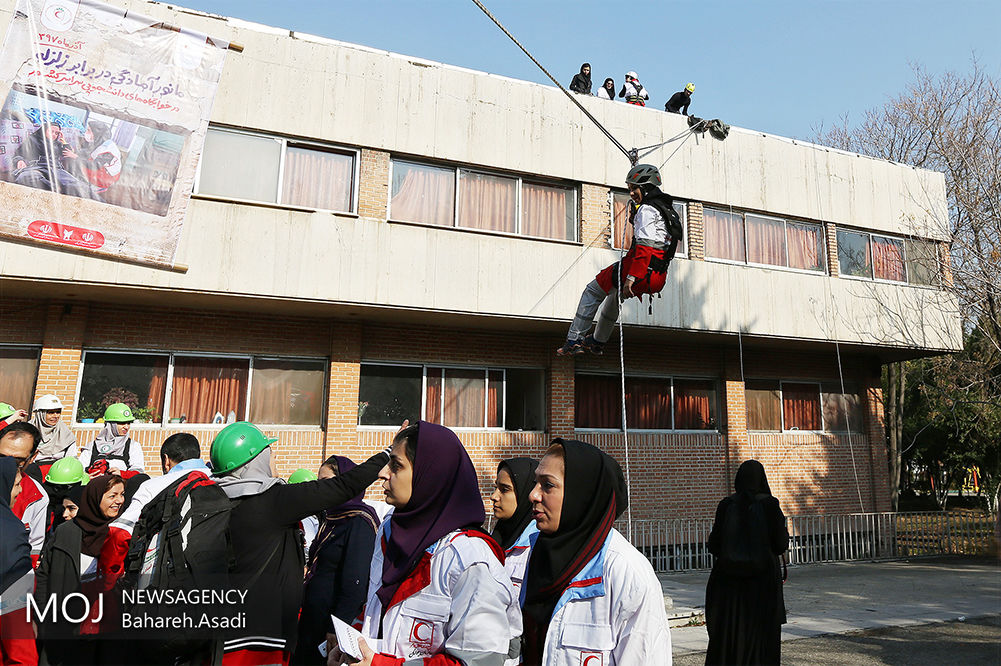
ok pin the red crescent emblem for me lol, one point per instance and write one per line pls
(64, 234)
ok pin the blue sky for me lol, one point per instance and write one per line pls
(778, 67)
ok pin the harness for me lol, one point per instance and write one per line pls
(124, 457)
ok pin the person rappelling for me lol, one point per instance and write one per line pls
(657, 230)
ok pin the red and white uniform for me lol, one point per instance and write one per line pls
(32, 508)
(457, 607)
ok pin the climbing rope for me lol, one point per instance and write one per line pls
(622, 377)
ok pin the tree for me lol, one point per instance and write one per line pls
(949, 123)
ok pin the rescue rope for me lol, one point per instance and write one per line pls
(622, 376)
(566, 92)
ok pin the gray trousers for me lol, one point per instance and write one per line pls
(593, 297)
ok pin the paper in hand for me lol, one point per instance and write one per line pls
(347, 638)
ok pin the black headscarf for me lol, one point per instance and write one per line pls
(522, 472)
(15, 552)
(751, 480)
(594, 495)
(90, 519)
(57, 493)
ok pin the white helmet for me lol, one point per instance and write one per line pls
(631, 75)
(47, 402)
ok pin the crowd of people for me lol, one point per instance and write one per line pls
(632, 91)
(419, 576)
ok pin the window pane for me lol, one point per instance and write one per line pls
(620, 220)
(525, 407)
(597, 401)
(853, 254)
(648, 403)
(682, 210)
(548, 212)
(423, 193)
(138, 380)
(318, 179)
(724, 235)
(495, 398)
(209, 390)
(764, 405)
(888, 258)
(487, 202)
(806, 246)
(695, 404)
(432, 402)
(242, 166)
(801, 406)
(766, 240)
(842, 411)
(922, 261)
(287, 392)
(464, 395)
(18, 371)
(389, 395)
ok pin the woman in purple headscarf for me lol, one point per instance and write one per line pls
(438, 588)
(337, 567)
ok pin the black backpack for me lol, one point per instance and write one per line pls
(745, 549)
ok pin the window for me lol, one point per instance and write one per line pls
(652, 403)
(801, 406)
(620, 222)
(185, 388)
(513, 398)
(471, 199)
(764, 405)
(256, 167)
(18, 372)
(765, 240)
(861, 254)
(842, 411)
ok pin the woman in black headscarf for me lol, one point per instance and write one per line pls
(17, 642)
(515, 529)
(744, 606)
(337, 567)
(581, 82)
(615, 606)
(607, 90)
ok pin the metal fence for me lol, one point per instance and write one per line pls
(680, 544)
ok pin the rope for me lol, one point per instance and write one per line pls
(851, 448)
(566, 92)
(580, 256)
(622, 375)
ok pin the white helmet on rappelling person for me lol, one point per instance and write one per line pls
(643, 174)
(631, 75)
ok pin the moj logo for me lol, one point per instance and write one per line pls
(74, 608)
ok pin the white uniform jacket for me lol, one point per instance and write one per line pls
(516, 557)
(611, 614)
(35, 502)
(458, 603)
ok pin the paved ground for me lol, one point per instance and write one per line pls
(970, 643)
(838, 598)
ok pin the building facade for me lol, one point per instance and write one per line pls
(375, 237)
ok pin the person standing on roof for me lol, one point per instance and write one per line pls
(657, 230)
(633, 91)
(582, 81)
(680, 100)
(607, 90)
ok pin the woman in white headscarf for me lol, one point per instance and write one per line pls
(57, 439)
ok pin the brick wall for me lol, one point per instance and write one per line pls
(595, 215)
(696, 232)
(373, 190)
(59, 365)
(22, 321)
(833, 266)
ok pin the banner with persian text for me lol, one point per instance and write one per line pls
(103, 119)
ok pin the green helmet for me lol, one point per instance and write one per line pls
(301, 475)
(118, 413)
(236, 445)
(66, 471)
(5, 410)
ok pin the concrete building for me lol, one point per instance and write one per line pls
(374, 236)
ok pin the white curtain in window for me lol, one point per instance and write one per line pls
(317, 179)
(241, 166)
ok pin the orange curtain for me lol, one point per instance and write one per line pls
(620, 221)
(764, 406)
(801, 406)
(487, 202)
(888, 259)
(766, 241)
(423, 194)
(495, 399)
(317, 179)
(464, 396)
(805, 247)
(648, 403)
(18, 370)
(724, 235)
(158, 387)
(203, 387)
(546, 211)
(597, 401)
(694, 404)
(433, 399)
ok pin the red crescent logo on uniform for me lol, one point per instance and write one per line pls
(422, 634)
(592, 659)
